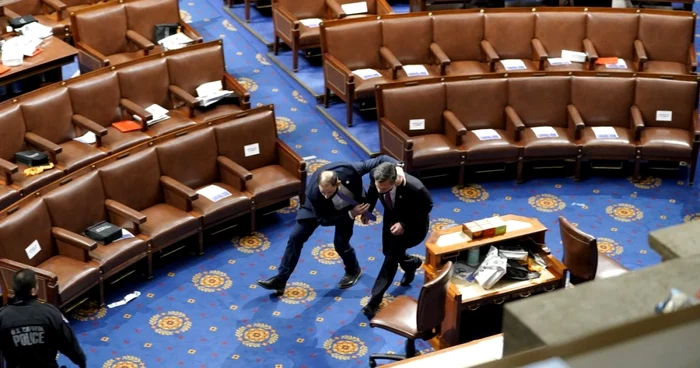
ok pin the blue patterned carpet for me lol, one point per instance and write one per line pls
(207, 312)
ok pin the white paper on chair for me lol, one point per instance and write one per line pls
(416, 124)
(415, 70)
(513, 64)
(579, 57)
(451, 239)
(175, 41)
(365, 74)
(211, 92)
(311, 22)
(33, 249)
(558, 61)
(662, 115)
(126, 234)
(621, 64)
(545, 132)
(604, 132)
(87, 138)
(354, 8)
(214, 193)
(486, 134)
(158, 112)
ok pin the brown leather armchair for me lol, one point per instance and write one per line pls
(48, 115)
(675, 55)
(557, 31)
(81, 204)
(277, 173)
(604, 102)
(416, 128)
(65, 270)
(509, 36)
(413, 319)
(192, 162)
(398, 50)
(611, 35)
(582, 258)
(136, 185)
(142, 16)
(286, 17)
(459, 37)
(538, 102)
(374, 7)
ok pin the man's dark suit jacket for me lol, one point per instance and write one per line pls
(350, 174)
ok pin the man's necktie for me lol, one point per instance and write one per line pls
(353, 202)
(387, 200)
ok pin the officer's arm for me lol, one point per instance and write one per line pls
(366, 166)
(68, 344)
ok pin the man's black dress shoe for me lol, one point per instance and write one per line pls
(369, 312)
(410, 274)
(349, 279)
(273, 283)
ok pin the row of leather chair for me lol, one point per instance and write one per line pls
(287, 17)
(468, 42)
(119, 31)
(435, 123)
(50, 118)
(151, 191)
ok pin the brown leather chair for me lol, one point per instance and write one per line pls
(413, 319)
(192, 161)
(82, 203)
(65, 270)
(509, 36)
(582, 258)
(136, 183)
(658, 54)
(611, 35)
(286, 15)
(557, 31)
(604, 102)
(276, 174)
(434, 142)
(398, 50)
(142, 16)
(459, 37)
(49, 115)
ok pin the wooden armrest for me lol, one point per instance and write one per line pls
(637, 122)
(390, 58)
(575, 121)
(491, 54)
(405, 139)
(441, 56)
(640, 55)
(337, 66)
(591, 53)
(286, 16)
(692, 58)
(57, 5)
(539, 53)
(8, 167)
(336, 9)
(290, 160)
(44, 144)
(384, 8)
(139, 40)
(453, 127)
(231, 84)
(73, 239)
(696, 126)
(514, 125)
(191, 32)
(183, 96)
(134, 109)
(14, 266)
(178, 188)
(89, 125)
(234, 168)
(124, 211)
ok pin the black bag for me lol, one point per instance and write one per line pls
(22, 21)
(162, 31)
(104, 232)
(516, 271)
(32, 158)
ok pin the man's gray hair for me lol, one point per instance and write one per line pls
(328, 178)
(385, 171)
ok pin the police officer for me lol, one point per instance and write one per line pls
(32, 332)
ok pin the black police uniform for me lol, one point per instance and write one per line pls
(32, 332)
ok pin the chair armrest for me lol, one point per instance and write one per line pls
(441, 56)
(491, 54)
(539, 53)
(58, 6)
(139, 40)
(640, 55)
(290, 160)
(335, 72)
(692, 58)
(575, 121)
(390, 58)
(284, 21)
(637, 122)
(336, 9)
(90, 126)
(231, 84)
(395, 142)
(234, 168)
(514, 125)
(47, 289)
(44, 144)
(132, 108)
(14, 267)
(383, 7)
(69, 237)
(696, 126)
(454, 129)
(8, 168)
(124, 211)
(182, 95)
(191, 32)
(178, 188)
(591, 53)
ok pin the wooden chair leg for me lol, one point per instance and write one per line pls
(200, 241)
(247, 10)
(149, 264)
(577, 170)
(295, 56)
(637, 164)
(519, 175)
(348, 109)
(276, 44)
(326, 96)
(460, 180)
(252, 219)
(101, 287)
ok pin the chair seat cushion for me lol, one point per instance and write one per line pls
(8, 196)
(119, 253)
(272, 182)
(116, 141)
(620, 146)
(555, 147)
(365, 88)
(434, 150)
(309, 36)
(165, 222)
(466, 67)
(77, 155)
(399, 317)
(631, 67)
(666, 142)
(123, 57)
(665, 67)
(28, 184)
(493, 149)
(212, 212)
(608, 267)
(529, 67)
(177, 121)
(74, 276)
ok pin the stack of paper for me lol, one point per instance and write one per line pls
(211, 92)
(158, 112)
(575, 56)
(311, 22)
(175, 41)
(620, 64)
(513, 64)
(14, 49)
(36, 30)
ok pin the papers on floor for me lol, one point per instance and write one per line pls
(452, 239)
(311, 22)
(575, 56)
(158, 112)
(513, 64)
(545, 132)
(415, 70)
(354, 8)
(175, 41)
(214, 193)
(604, 132)
(126, 299)
(486, 134)
(558, 61)
(87, 138)
(367, 73)
(36, 30)
(211, 92)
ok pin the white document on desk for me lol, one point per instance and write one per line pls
(354, 8)
(452, 239)
(604, 132)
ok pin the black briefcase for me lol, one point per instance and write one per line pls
(22, 21)
(104, 232)
(162, 31)
(32, 158)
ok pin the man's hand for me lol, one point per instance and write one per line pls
(397, 229)
(365, 219)
(400, 176)
(360, 209)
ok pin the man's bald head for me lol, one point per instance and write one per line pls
(328, 183)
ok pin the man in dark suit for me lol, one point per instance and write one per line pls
(335, 198)
(406, 221)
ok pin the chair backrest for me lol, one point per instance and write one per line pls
(79, 204)
(190, 70)
(613, 34)
(425, 101)
(22, 228)
(259, 128)
(341, 43)
(540, 101)
(431, 301)
(142, 16)
(146, 83)
(510, 34)
(560, 31)
(603, 101)
(304, 9)
(190, 159)
(50, 115)
(409, 39)
(677, 96)
(104, 110)
(479, 104)
(26, 7)
(459, 35)
(12, 128)
(134, 180)
(580, 251)
(103, 28)
(670, 45)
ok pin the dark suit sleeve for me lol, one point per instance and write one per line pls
(67, 342)
(372, 195)
(418, 218)
(366, 166)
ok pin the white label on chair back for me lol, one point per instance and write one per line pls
(415, 70)
(311, 22)
(486, 134)
(33, 249)
(545, 132)
(604, 132)
(558, 61)
(416, 124)
(355, 8)
(366, 73)
(513, 64)
(251, 149)
(662, 115)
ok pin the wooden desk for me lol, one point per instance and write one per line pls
(55, 55)
(465, 301)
